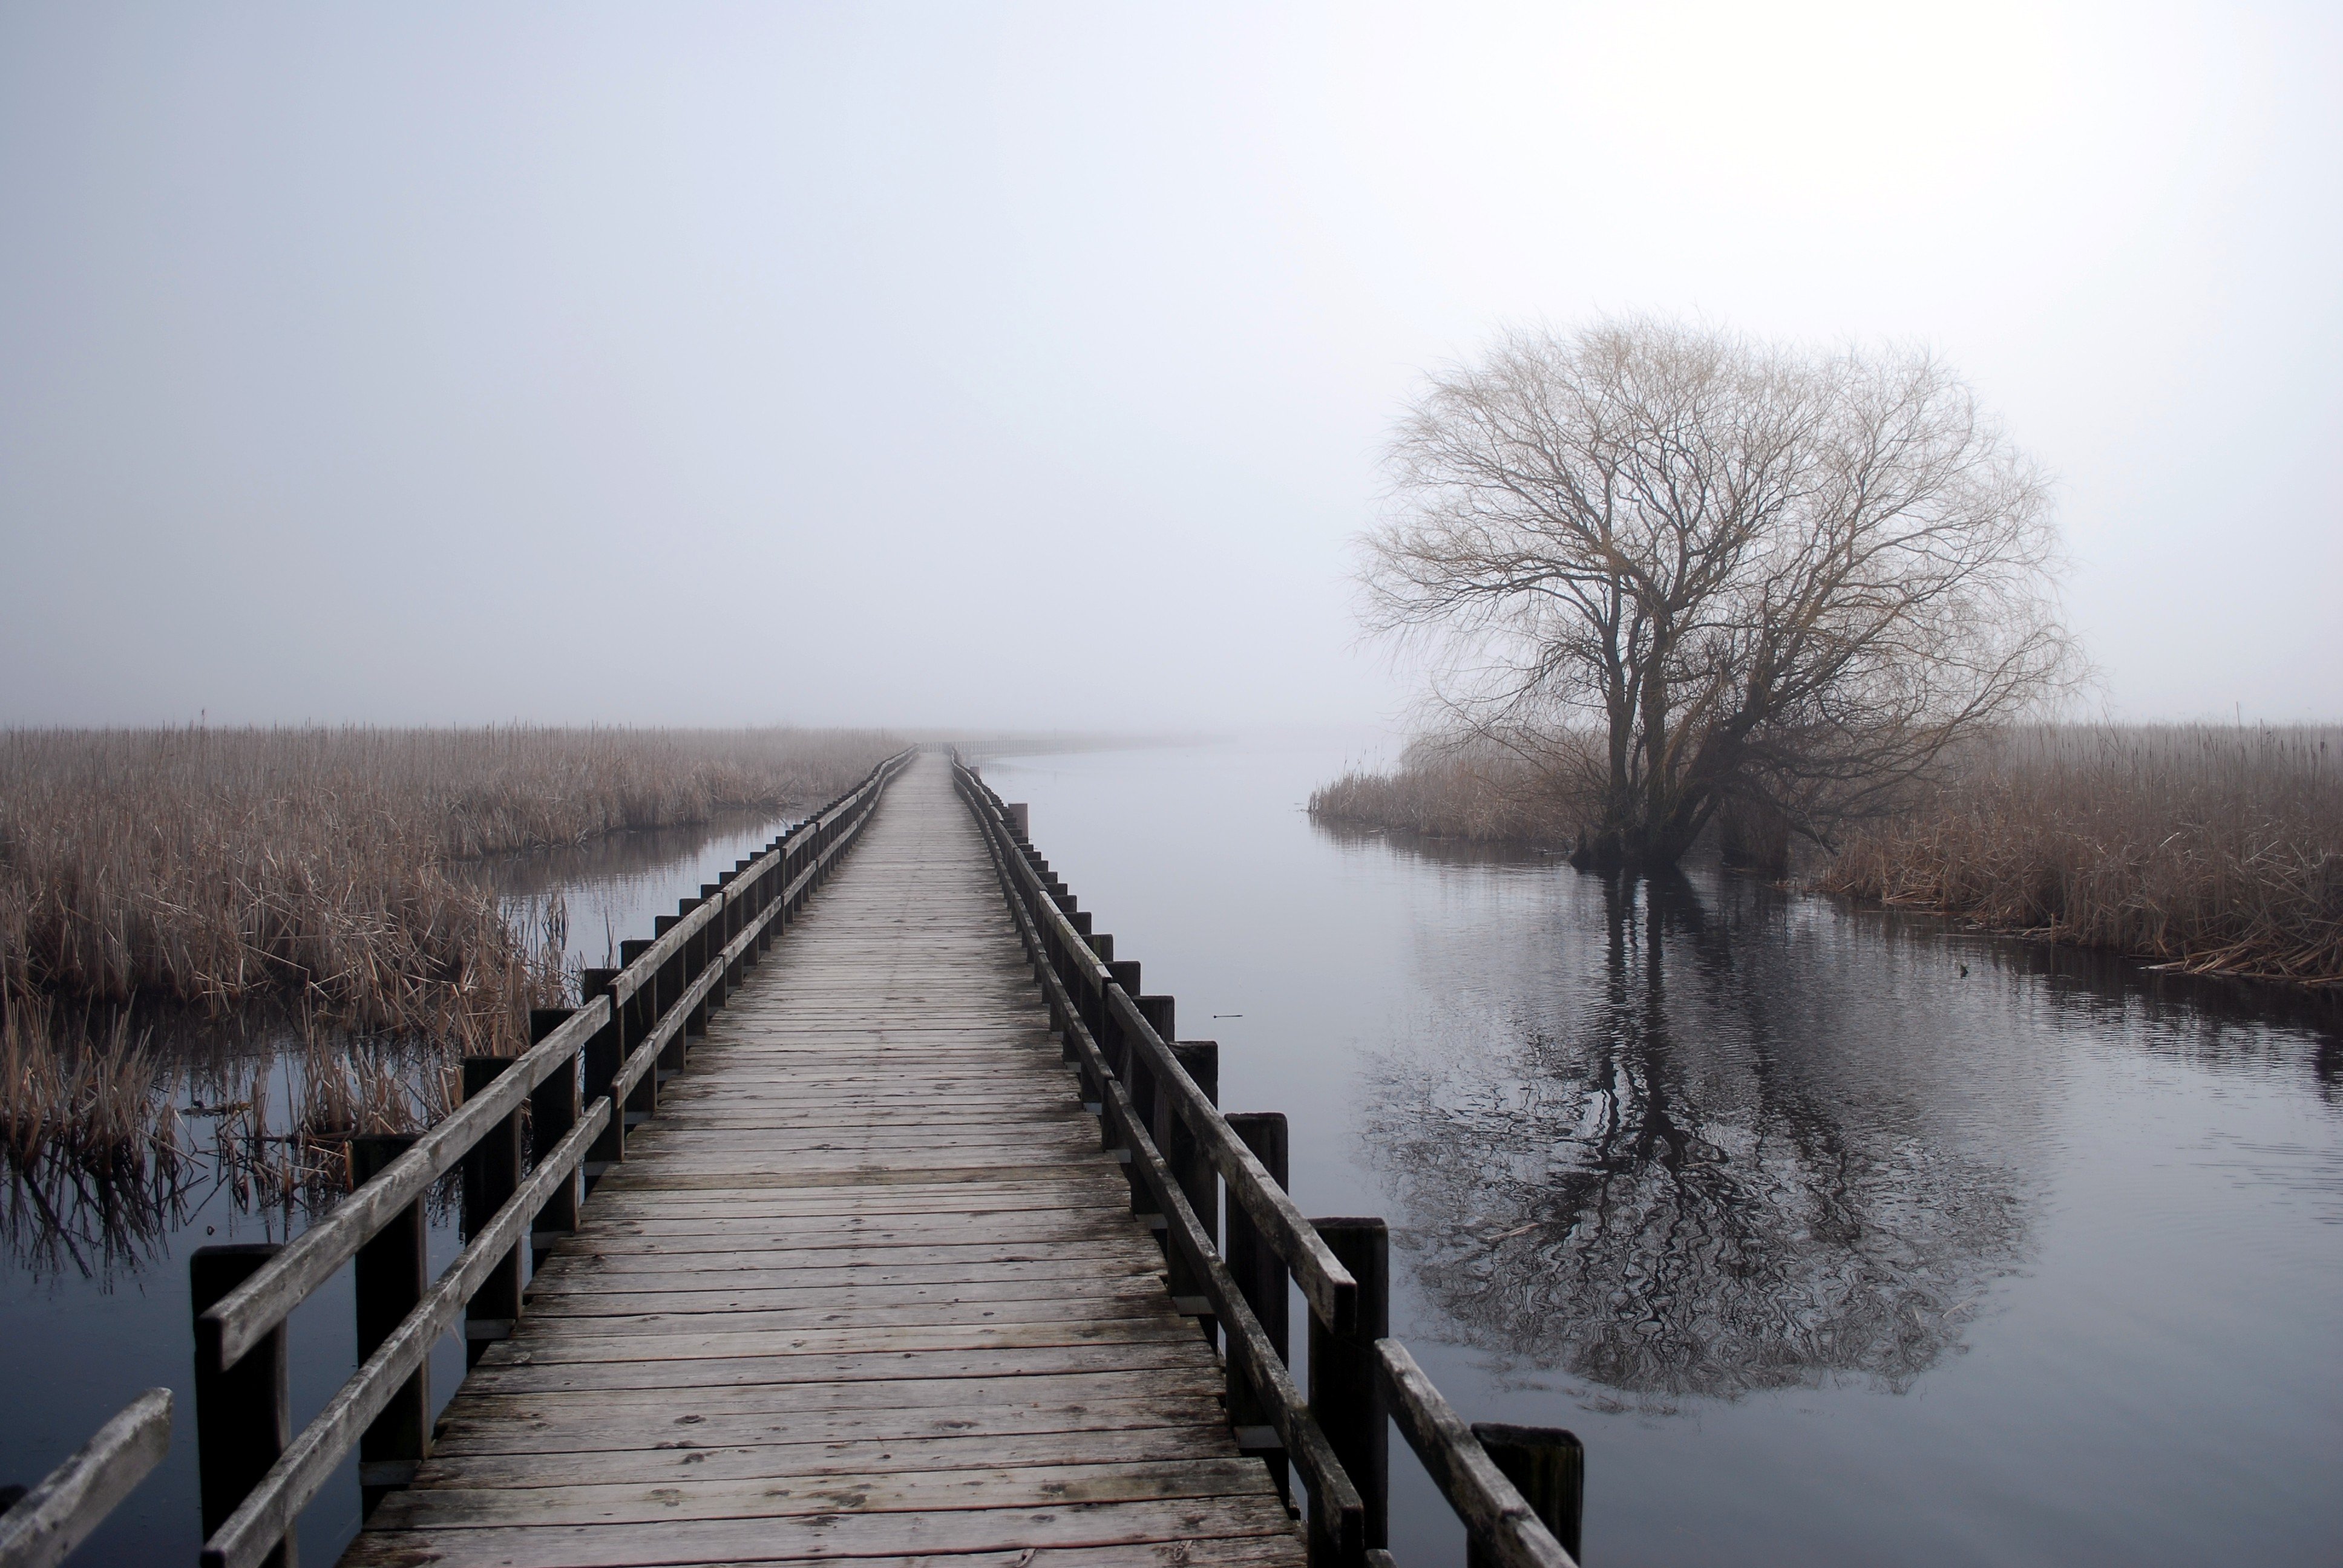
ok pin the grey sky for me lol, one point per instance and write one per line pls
(1028, 365)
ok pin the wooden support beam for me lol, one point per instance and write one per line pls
(388, 1278)
(244, 1412)
(600, 1058)
(491, 1175)
(1261, 1279)
(1343, 1392)
(553, 1108)
(1547, 1465)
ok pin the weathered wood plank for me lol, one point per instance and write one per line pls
(646, 1443)
(842, 1532)
(551, 1500)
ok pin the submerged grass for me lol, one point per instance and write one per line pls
(212, 867)
(2209, 849)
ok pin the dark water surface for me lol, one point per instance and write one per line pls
(1839, 1237)
(94, 1303)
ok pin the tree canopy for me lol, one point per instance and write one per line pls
(1702, 571)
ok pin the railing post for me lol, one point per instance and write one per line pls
(768, 888)
(598, 1065)
(649, 1004)
(1343, 1394)
(244, 1414)
(736, 921)
(1139, 1072)
(388, 1278)
(491, 1174)
(1547, 1465)
(696, 953)
(1259, 1274)
(673, 976)
(1138, 1077)
(553, 1108)
(1123, 974)
(1190, 1166)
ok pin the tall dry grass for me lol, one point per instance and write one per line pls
(1479, 794)
(2209, 849)
(211, 867)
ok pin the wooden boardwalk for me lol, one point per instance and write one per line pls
(865, 1289)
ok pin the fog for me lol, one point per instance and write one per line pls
(1029, 365)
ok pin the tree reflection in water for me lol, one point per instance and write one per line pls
(1671, 1195)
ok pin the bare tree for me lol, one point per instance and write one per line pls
(1705, 572)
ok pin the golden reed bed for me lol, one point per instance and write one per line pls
(2209, 848)
(212, 867)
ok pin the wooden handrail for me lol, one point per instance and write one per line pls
(1324, 1281)
(1333, 1492)
(41, 1528)
(1499, 1520)
(270, 1510)
(1501, 1526)
(248, 1526)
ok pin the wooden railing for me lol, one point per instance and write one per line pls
(40, 1529)
(1156, 1098)
(592, 1073)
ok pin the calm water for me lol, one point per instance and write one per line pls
(1831, 1251)
(93, 1297)
(1838, 1237)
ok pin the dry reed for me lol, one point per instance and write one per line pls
(2207, 849)
(212, 867)
(1478, 794)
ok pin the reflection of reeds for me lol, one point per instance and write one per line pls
(2210, 849)
(214, 867)
(93, 1106)
(90, 1141)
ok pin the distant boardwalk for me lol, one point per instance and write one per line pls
(866, 1288)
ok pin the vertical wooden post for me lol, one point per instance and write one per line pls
(1343, 1395)
(598, 1065)
(1124, 973)
(244, 1414)
(1183, 1151)
(768, 888)
(1159, 1012)
(1547, 1465)
(1138, 1077)
(736, 921)
(553, 1108)
(673, 976)
(643, 1018)
(1261, 1279)
(389, 1277)
(699, 951)
(491, 1175)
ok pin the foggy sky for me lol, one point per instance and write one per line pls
(1028, 366)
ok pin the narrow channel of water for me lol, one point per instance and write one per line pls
(94, 1304)
(1838, 1237)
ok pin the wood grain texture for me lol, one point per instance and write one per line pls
(864, 1288)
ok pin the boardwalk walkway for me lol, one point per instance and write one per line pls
(865, 1288)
